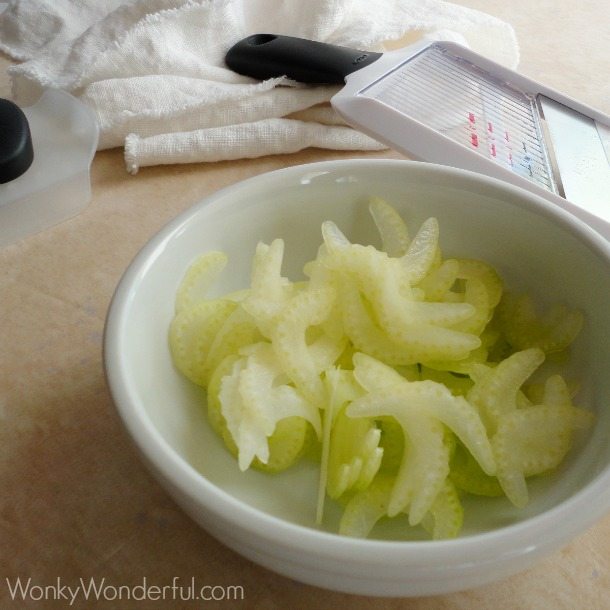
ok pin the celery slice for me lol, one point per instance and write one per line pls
(214, 411)
(191, 333)
(446, 515)
(425, 463)
(305, 309)
(238, 330)
(495, 390)
(366, 508)
(198, 278)
(287, 443)
(374, 375)
(392, 228)
(535, 439)
(350, 453)
(392, 441)
(269, 291)
(252, 404)
(457, 385)
(354, 455)
(473, 269)
(552, 331)
(331, 385)
(422, 252)
(438, 282)
(426, 398)
(467, 475)
(477, 296)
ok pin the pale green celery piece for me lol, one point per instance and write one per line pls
(495, 390)
(422, 251)
(198, 279)
(392, 228)
(291, 437)
(553, 331)
(288, 337)
(366, 508)
(237, 331)
(446, 516)
(191, 333)
(354, 456)
(533, 440)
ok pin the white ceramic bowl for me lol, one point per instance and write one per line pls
(270, 519)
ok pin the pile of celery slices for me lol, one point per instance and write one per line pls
(409, 378)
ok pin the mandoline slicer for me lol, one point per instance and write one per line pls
(441, 102)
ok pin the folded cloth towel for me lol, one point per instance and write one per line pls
(153, 71)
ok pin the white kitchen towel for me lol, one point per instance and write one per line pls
(153, 70)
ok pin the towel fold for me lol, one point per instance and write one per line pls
(153, 71)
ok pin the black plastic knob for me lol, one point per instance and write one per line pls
(16, 150)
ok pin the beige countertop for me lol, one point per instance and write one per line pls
(76, 501)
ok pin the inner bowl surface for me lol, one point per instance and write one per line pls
(536, 248)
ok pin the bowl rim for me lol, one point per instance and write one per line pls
(532, 533)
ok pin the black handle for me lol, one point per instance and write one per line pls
(265, 56)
